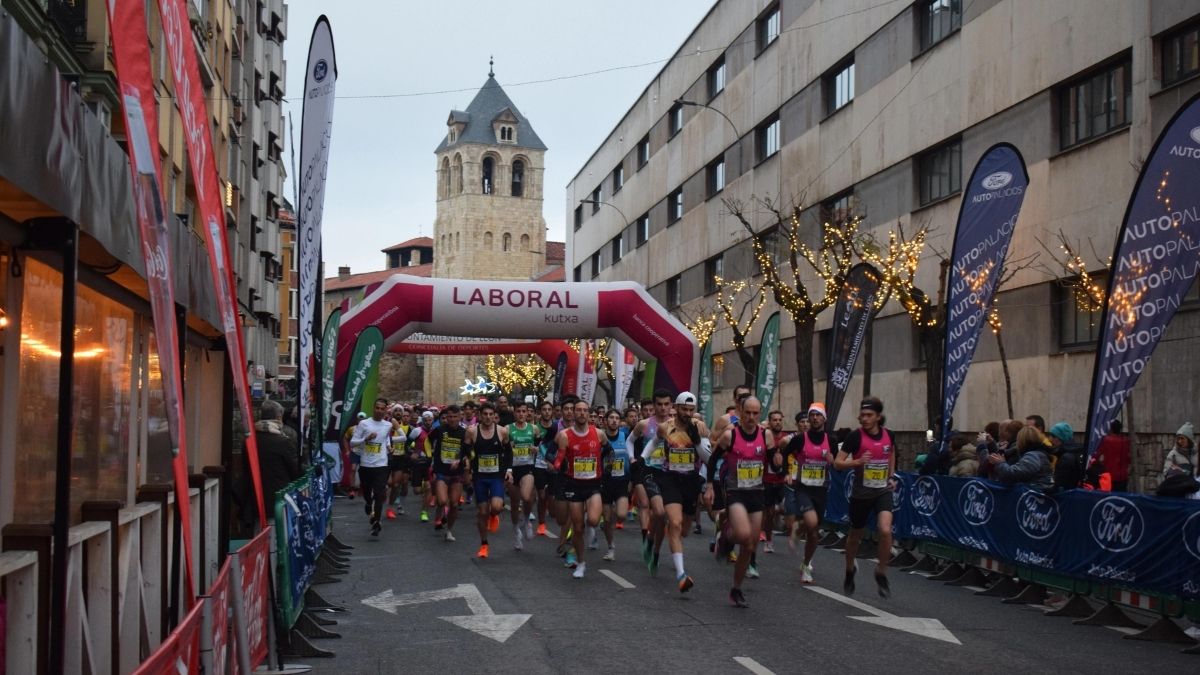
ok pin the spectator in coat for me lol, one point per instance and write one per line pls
(1113, 455)
(277, 453)
(1033, 466)
(1181, 459)
(964, 458)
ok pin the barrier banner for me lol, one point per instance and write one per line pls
(218, 609)
(189, 98)
(251, 576)
(180, 652)
(768, 363)
(131, 52)
(852, 316)
(1128, 540)
(328, 364)
(705, 396)
(367, 352)
(1154, 264)
(316, 125)
(299, 545)
(986, 220)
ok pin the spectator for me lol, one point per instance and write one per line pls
(1113, 455)
(1181, 459)
(276, 453)
(1006, 442)
(937, 457)
(1070, 467)
(985, 444)
(1033, 466)
(964, 458)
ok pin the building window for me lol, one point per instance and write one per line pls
(293, 258)
(487, 240)
(293, 303)
(716, 78)
(839, 208)
(506, 242)
(766, 138)
(579, 216)
(451, 136)
(643, 229)
(839, 86)
(618, 178)
(939, 18)
(768, 27)
(578, 273)
(939, 172)
(675, 119)
(518, 178)
(1095, 104)
(1077, 327)
(618, 247)
(716, 177)
(674, 295)
(506, 135)
(713, 267)
(293, 352)
(675, 206)
(458, 174)
(1181, 54)
(597, 197)
(643, 151)
(524, 242)
(595, 264)
(488, 165)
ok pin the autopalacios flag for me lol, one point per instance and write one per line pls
(768, 364)
(705, 396)
(624, 363)
(316, 128)
(368, 349)
(856, 307)
(986, 220)
(1155, 262)
(328, 370)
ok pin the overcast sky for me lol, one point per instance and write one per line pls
(382, 181)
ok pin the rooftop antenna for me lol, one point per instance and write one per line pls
(491, 68)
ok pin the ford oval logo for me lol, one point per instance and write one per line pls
(898, 496)
(1191, 535)
(926, 496)
(1116, 524)
(976, 502)
(1195, 134)
(997, 180)
(320, 70)
(1037, 515)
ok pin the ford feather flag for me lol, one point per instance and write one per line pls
(316, 124)
(1154, 264)
(986, 221)
(856, 307)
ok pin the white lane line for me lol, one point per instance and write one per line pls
(617, 578)
(862, 606)
(753, 666)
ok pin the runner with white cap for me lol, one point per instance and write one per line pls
(680, 481)
(809, 454)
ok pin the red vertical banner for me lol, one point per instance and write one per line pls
(131, 52)
(254, 560)
(189, 98)
(222, 638)
(180, 652)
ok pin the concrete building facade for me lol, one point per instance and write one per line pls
(884, 108)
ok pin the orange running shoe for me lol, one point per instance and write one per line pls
(391, 514)
(483, 551)
(619, 525)
(494, 523)
(541, 531)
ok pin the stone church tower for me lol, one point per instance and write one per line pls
(489, 211)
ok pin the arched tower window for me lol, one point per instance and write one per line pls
(487, 241)
(444, 179)
(458, 174)
(457, 241)
(489, 184)
(518, 178)
(524, 242)
(507, 242)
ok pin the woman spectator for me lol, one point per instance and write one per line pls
(1181, 459)
(964, 458)
(1033, 466)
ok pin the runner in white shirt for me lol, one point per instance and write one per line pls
(373, 437)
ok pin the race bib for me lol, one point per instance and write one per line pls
(584, 468)
(682, 460)
(656, 456)
(489, 464)
(539, 462)
(522, 455)
(618, 468)
(397, 445)
(812, 473)
(875, 475)
(449, 456)
(373, 448)
(749, 475)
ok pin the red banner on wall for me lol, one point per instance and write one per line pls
(254, 562)
(189, 98)
(132, 55)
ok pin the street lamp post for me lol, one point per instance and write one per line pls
(736, 134)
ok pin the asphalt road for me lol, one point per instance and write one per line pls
(600, 625)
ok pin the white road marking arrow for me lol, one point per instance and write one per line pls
(930, 628)
(481, 620)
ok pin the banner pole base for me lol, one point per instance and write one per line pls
(1163, 630)
(925, 564)
(313, 600)
(1006, 587)
(1034, 594)
(973, 576)
(311, 629)
(1109, 615)
(952, 572)
(1076, 607)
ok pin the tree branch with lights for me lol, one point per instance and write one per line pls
(739, 304)
(522, 373)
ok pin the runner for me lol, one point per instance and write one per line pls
(616, 480)
(582, 452)
(637, 440)
(744, 447)
(867, 452)
(809, 454)
(420, 462)
(399, 463)
(559, 507)
(546, 430)
(352, 456)
(523, 435)
(651, 458)
(448, 469)
(773, 482)
(717, 510)
(679, 482)
(491, 466)
(374, 437)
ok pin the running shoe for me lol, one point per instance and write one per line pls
(611, 555)
(541, 530)
(647, 551)
(494, 523)
(806, 576)
(437, 522)
(698, 529)
(450, 536)
(769, 547)
(375, 528)
(593, 540)
(400, 509)
(367, 508)
(579, 571)
(571, 561)
(391, 514)
(685, 583)
(762, 536)
(654, 564)
(532, 517)
(848, 584)
(483, 551)
(529, 530)
(752, 571)
(424, 516)
(519, 541)
(738, 598)
(620, 525)
(885, 589)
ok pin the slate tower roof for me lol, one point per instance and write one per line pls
(489, 105)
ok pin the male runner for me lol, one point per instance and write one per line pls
(651, 457)
(505, 415)
(399, 463)
(869, 452)
(809, 454)
(744, 449)
(420, 462)
(523, 435)
(582, 451)
(448, 469)
(491, 465)
(546, 430)
(773, 480)
(616, 480)
(740, 393)
(679, 482)
(373, 436)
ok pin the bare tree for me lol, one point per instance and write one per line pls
(1010, 270)
(739, 303)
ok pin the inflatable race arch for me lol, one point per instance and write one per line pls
(548, 351)
(524, 310)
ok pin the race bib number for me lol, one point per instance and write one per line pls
(618, 468)
(656, 456)
(449, 456)
(682, 460)
(812, 473)
(373, 448)
(584, 468)
(489, 464)
(522, 455)
(875, 475)
(749, 475)
(397, 445)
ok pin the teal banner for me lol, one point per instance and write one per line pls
(328, 366)
(367, 351)
(648, 379)
(768, 364)
(706, 384)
